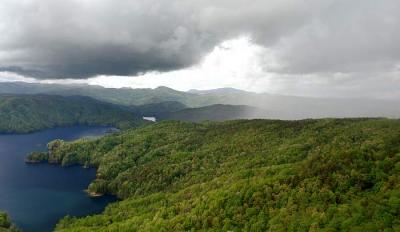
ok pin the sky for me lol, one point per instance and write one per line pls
(328, 48)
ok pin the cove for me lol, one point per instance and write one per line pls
(37, 196)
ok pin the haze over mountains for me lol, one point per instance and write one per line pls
(216, 112)
(268, 105)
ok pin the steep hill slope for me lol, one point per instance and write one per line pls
(26, 113)
(258, 175)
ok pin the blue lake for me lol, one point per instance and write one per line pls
(37, 196)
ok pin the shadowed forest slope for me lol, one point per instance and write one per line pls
(27, 113)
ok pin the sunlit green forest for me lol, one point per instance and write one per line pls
(246, 175)
(27, 113)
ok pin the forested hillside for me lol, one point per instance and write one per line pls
(5, 223)
(158, 109)
(26, 113)
(257, 175)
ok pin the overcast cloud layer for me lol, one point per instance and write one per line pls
(329, 41)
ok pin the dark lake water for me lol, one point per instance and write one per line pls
(37, 196)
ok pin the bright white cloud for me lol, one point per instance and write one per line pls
(233, 63)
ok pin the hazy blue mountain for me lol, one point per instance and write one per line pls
(277, 106)
(124, 96)
(219, 91)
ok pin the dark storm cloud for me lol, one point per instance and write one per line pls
(77, 39)
(58, 39)
(345, 36)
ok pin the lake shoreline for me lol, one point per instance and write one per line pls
(53, 191)
(112, 128)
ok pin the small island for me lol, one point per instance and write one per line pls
(37, 157)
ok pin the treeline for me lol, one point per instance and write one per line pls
(5, 224)
(258, 175)
(27, 113)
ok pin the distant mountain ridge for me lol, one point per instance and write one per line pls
(219, 91)
(123, 96)
(277, 106)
